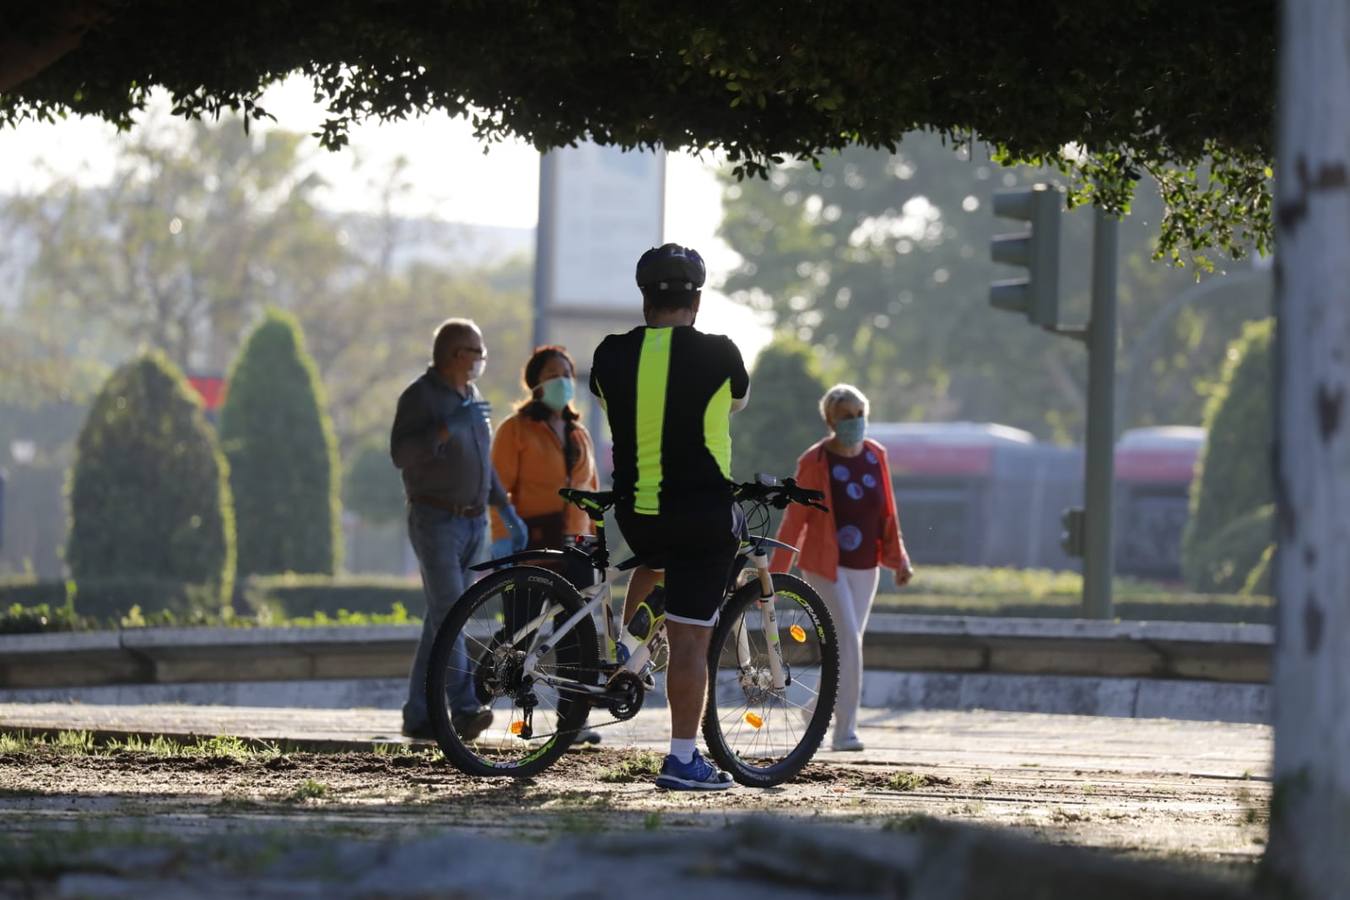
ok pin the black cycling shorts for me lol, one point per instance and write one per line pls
(696, 548)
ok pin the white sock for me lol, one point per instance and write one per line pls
(683, 749)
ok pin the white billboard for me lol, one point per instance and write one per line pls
(604, 207)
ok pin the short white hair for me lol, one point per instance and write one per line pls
(838, 394)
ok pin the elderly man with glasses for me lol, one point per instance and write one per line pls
(441, 443)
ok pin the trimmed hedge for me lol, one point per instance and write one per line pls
(1259, 581)
(276, 433)
(371, 486)
(111, 599)
(290, 596)
(149, 495)
(1233, 477)
(1226, 561)
(781, 420)
(31, 592)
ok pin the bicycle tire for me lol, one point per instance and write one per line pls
(790, 589)
(582, 655)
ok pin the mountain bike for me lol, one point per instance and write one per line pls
(532, 648)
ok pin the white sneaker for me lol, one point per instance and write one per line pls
(849, 744)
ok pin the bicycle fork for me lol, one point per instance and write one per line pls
(769, 617)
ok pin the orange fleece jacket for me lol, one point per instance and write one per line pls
(529, 461)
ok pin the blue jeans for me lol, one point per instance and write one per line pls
(446, 545)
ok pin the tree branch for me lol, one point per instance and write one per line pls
(22, 57)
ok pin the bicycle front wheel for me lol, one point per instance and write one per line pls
(479, 657)
(764, 735)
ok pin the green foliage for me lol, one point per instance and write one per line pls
(1194, 80)
(782, 419)
(178, 253)
(290, 596)
(309, 789)
(1041, 593)
(881, 262)
(147, 599)
(1233, 476)
(1259, 580)
(1161, 607)
(150, 507)
(41, 618)
(44, 619)
(284, 473)
(372, 488)
(640, 766)
(1226, 561)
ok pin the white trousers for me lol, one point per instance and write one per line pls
(849, 599)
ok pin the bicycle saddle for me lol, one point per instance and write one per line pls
(593, 503)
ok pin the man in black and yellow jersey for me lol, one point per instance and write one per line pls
(669, 390)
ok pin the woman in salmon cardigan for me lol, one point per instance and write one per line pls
(842, 551)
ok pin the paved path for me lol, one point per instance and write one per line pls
(974, 740)
(1194, 790)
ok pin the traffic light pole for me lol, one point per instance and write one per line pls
(1099, 555)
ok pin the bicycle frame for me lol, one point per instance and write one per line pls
(599, 596)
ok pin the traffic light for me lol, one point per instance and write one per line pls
(1074, 536)
(1036, 249)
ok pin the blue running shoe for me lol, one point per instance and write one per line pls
(696, 775)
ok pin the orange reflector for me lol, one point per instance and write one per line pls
(753, 720)
(798, 633)
(517, 727)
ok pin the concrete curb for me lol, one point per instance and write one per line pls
(902, 643)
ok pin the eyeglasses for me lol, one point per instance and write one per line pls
(476, 351)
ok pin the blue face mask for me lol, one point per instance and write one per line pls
(556, 393)
(851, 431)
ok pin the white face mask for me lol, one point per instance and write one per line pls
(476, 371)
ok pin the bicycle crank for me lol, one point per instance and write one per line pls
(625, 694)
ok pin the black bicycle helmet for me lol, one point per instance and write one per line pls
(671, 267)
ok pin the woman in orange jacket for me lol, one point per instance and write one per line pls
(544, 447)
(843, 550)
(541, 448)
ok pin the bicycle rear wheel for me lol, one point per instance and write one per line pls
(762, 735)
(533, 722)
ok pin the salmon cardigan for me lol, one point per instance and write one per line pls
(529, 461)
(813, 532)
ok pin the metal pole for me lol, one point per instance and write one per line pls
(1099, 558)
(543, 251)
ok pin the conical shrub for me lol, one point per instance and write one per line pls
(278, 438)
(151, 522)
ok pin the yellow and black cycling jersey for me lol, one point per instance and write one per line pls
(668, 393)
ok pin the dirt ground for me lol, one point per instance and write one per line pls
(1214, 824)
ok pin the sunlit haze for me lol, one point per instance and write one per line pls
(453, 179)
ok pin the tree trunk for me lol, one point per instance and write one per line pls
(1309, 852)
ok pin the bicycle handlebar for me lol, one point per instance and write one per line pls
(775, 493)
(779, 494)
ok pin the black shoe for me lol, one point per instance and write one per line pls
(423, 732)
(469, 725)
(587, 736)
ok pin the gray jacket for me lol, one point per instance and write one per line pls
(458, 471)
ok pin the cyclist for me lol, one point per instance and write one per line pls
(668, 390)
